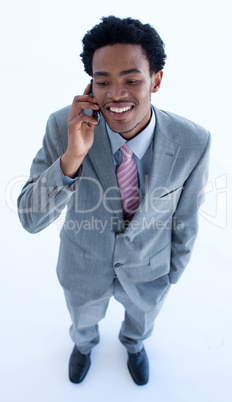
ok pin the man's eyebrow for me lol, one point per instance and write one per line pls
(131, 71)
(122, 73)
(101, 74)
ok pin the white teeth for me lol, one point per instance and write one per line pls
(119, 110)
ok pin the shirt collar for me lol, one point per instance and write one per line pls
(138, 144)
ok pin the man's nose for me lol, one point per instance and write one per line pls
(117, 91)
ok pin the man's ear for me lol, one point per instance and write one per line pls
(156, 81)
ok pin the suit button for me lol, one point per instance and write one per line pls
(53, 192)
(117, 265)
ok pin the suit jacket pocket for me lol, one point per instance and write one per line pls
(167, 202)
(171, 193)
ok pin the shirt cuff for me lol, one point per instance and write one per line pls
(67, 181)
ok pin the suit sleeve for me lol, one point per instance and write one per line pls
(44, 196)
(185, 222)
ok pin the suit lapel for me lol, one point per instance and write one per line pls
(164, 158)
(100, 155)
(165, 153)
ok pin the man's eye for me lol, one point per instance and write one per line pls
(101, 84)
(132, 81)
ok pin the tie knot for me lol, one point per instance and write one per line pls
(126, 152)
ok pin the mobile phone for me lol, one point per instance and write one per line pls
(96, 113)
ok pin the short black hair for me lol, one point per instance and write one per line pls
(113, 30)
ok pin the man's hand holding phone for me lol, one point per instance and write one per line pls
(80, 132)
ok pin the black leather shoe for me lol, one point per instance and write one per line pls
(78, 366)
(138, 367)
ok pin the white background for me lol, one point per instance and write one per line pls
(190, 351)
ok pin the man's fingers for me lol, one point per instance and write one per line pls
(83, 118)
(87, 90)
(86, 105)
(78, 107)
(83, 98)
(82, 102)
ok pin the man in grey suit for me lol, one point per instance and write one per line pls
(110, 247)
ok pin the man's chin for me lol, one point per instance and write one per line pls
(121, 126)
(123, 129)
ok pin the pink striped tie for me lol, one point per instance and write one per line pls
(128, 183)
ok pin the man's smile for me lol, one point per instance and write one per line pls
(118, 110)
(119, 113)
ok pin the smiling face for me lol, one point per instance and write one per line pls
(122, 87)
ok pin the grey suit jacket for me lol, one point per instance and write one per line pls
(154, 250)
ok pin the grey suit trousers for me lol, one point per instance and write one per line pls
(136, 327)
